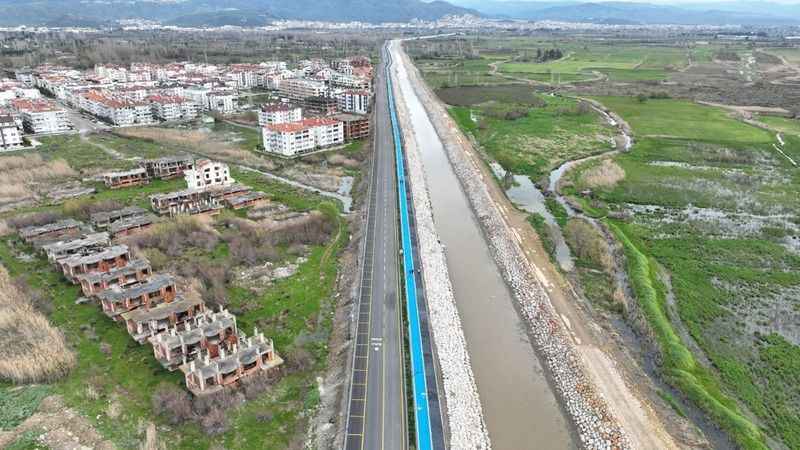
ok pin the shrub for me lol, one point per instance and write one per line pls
(173, 403)
(215, 422)
(588, 243)
(33, 219)
(83, 208)
(604, 175)
(31, 350)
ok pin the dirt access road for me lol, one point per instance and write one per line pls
(644, 428)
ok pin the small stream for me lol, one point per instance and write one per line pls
(528, 197)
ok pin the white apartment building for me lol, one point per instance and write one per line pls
(279, 113)
(358, 102)
(223, 101)
(349, 81)
(297, 138)
(299, 88)
(10, 137)
(41, 116)
(117, 112)
(207, 173)
(171, 108)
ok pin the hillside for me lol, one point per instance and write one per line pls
(217, 12)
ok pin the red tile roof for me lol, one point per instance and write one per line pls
(294, 127)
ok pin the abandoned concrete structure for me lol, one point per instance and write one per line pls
(66, 227)
(246, 200)
(153, 291)
(207, 346)
(144, 323)
(130, 225)
(168, 167)
(187, 201)
(103, 261)
(127, 178)
(136, 271)
(87, 243)
(220, 193)
(250, 355)
(105, 219)
(209, 332)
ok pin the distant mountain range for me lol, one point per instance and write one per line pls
(200, 13)
(723, 13)
(218, 12)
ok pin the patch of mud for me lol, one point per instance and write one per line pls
(261, 277)
(712, 222)
(58, 428)
(765, 311)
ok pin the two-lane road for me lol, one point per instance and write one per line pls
(377, 406)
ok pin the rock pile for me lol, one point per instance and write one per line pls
(596, 426)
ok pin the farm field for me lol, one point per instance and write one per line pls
(117, 384)
(618, 62)
(682, 119)
(711, 248)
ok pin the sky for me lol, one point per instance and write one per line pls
(664, 2)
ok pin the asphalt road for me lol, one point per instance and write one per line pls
(377, 405)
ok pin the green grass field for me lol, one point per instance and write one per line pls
(618, 62)
(536, 143)
(683, 119)
(782, 124)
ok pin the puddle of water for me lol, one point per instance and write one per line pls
(529, 198)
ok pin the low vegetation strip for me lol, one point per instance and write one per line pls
(31, 349)
(679, 365)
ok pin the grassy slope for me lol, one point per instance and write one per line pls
(714, 150)
(679, 365)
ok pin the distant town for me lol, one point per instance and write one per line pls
(315, 104)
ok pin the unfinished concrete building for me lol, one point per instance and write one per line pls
(104, 220)
(55, 230)
(103, 261)
(82, 244)
(156, 290)
(251, 355)
(131, 225)
(127, 178)
(187, 201)
(136, 271)
(221, 193)
(209, 332)
(144, 323)
(168, 167)
(246, 200)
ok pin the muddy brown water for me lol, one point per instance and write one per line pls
(520, 408)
